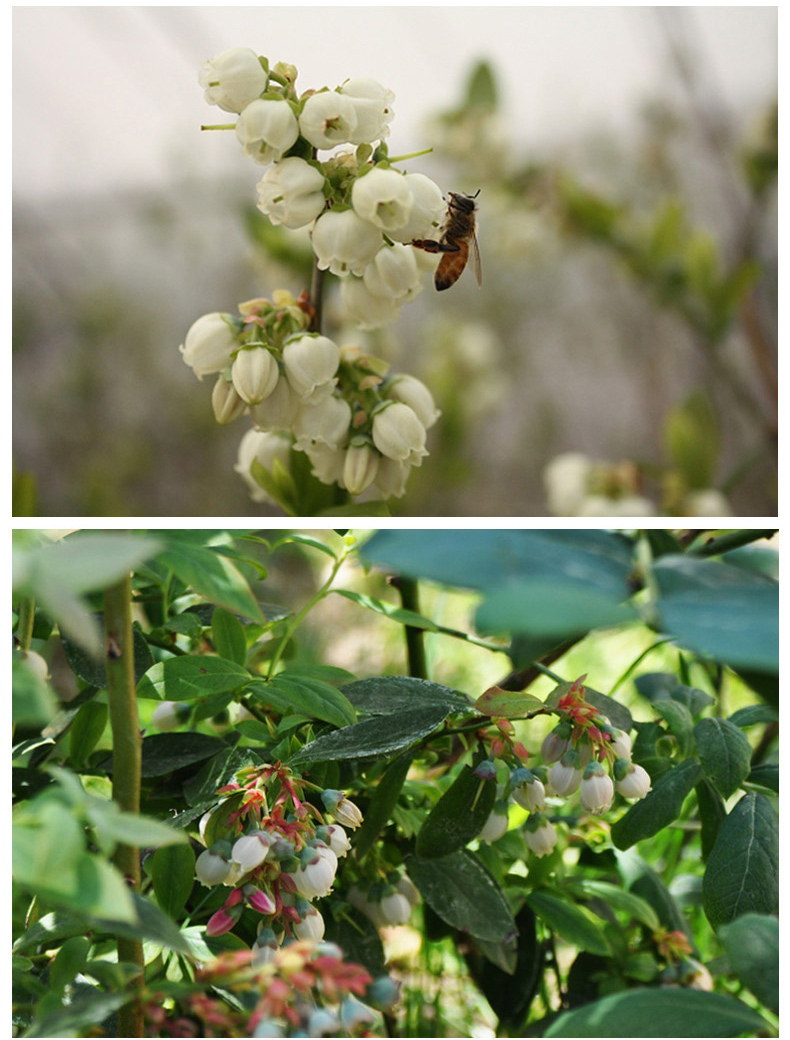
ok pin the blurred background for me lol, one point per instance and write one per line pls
(626, 158)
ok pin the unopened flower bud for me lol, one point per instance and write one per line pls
(254, 374)
(399, 434)
(250, 850)
(233, 79)
(360, 466)
(209, 343)
(635, 783)
(226, 402)
(310, 365)
(495, 826)
(266, 129)
(213, 865)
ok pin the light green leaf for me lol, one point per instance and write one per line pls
(212, 575)
(672, 1012)
(229, 636)
(191, 676)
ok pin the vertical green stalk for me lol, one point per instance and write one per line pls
(126, 742)
(415, 641)
(24, 629)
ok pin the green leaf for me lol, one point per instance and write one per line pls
(229, 636)
(752, 946)
(191, 676)
(619, 899)
(359, 940)
(90, 667)
(645, 883)
(681, 724)
(129, 828)
(481, 89)
(172, 870)
(457, 817)
(615, 712)
(396, 694)
(552, 606)
(659, 808)
(576, 924)
(507, 704)
(389, 610)
(211, 574)
(725, 753)
(86, 730)
(766, 775)
(69, 961)
(288, 692)
(32, 701)
(712, 813)
(720, 611)
(489, 559)
(462, 892)
(384, 800)
(674, 1012)
(383, 735)
(87, 1008)
(691, 433)
(753, 715)
(163, 753)
(742, 874)
(509, 989)
(149, 923)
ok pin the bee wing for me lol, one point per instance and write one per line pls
(476, 260)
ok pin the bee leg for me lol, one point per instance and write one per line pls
(435, 247)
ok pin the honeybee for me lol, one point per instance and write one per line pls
(458, 232)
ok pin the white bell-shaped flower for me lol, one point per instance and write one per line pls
(383, 198)
(254, 374)
(372, 106)
(264, 448)
(209, 344)
(291, 193)
(326, 422)
(266, 129)
(399, 434)
(366, 310)
(393, 273)
(233, 79)
(427, 214)
(344, 242)
(310, 365)
(416, 395)
(328, 119)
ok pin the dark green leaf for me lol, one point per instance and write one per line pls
(86, 730)
(574, 923)
(766, 775)
(753, 715)
(645, 883)
(382, 735)
(359, 940)
(90, 667)
(462, 892)
(752, 945)
(617, 713)
(695, 700)
(295, 693)
(229, 636)
(191, 676)
(509, 993)
(720, 611)
(172, 870)
(673, 1012)
(550, 606)
(711, 813)
(384, 800)
(742, 871)
(659, 807)
(458, 816)
(725, 753)
(396, 694)
(211, 574)
(681, 724)
(165, 752)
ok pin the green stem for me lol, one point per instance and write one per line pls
(24, 630)
(415, 640)
(713, 546)
(126, 744)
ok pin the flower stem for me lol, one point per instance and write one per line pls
(126, 768)
(24, 629)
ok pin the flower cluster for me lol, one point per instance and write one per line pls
(361, 426)
(583, 753)
(363, 213)
(306, 989)
(577, 485)
(386, 903)
(275, 852)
